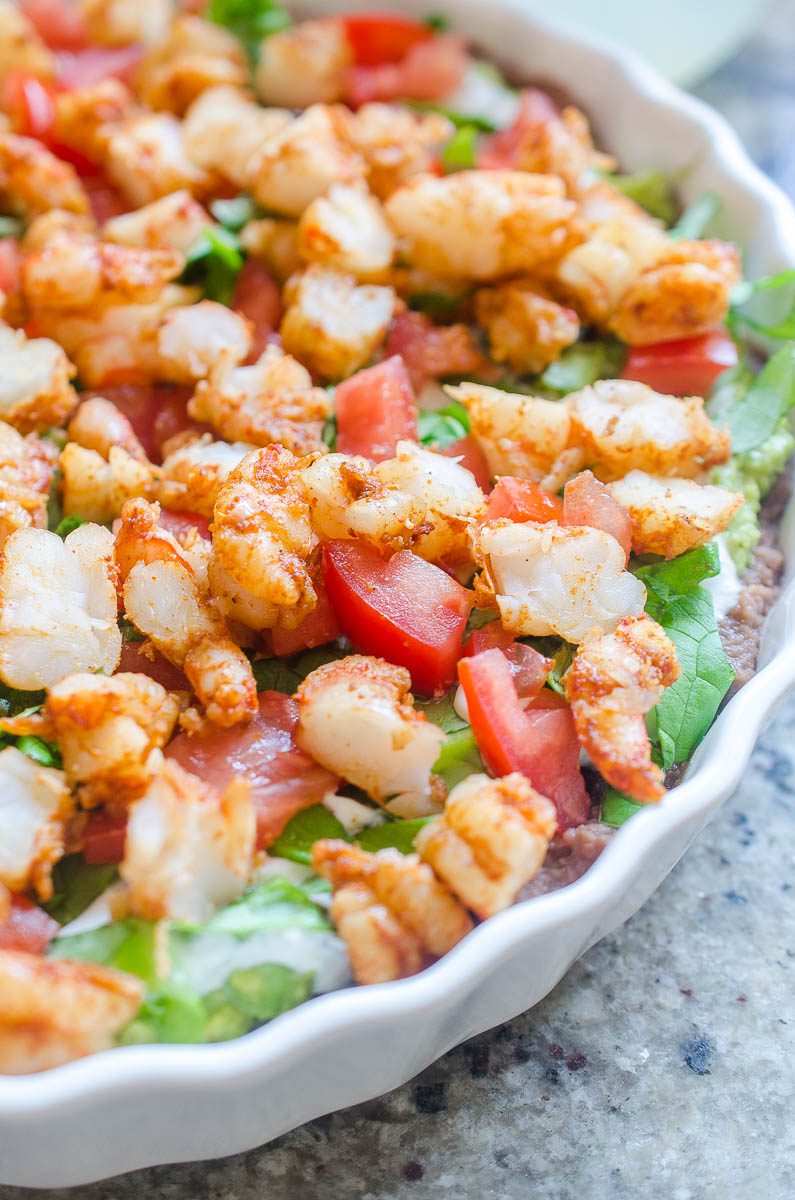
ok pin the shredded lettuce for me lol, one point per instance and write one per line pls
(460, 153)
(442, 426)
(233, 214)
(583, 364)
(395, 835)
(618, 807)
(652, 190)
(76, 885)
(758, 409)
(697, 217)
(249, 20)
(303, 830)
(214, 261)
(782, 329)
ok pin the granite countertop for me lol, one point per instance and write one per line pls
(662, 1066)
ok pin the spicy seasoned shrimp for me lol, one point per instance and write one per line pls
(357, 719)
(594, 275)
(275, 242)
(622, 425)
(96, 488)
(671, 516)
(490, 841)
(552, 579)
(99, 425)
(35, 387)
(346, 230)
(192, 56)
(188, 849)
(162, 578)
(120, 22)
(27, 465)
(175, 221)
(526, 328)
(192, 475)
(349, 499)
(223, 130)
(33, 180)
(303, 65)
(55, 1011)
(145, 157)
(191, 340)
(482, 225)
(613, 682)
(520, 435)
(81, 117)
(272, 400)
(35, 804)
(106, 729)
(21, 48)
(452, 500)
(396, 143)
(332, 324)
(390, 909)
(562, 146)
(57, 606)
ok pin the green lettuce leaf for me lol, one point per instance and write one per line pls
(697, 217)
(782, 329)
(214, 261)
(618, 808)
(68, 524)
(442, 426)
(666, 581)
(440, 306)
(396, 835)
(459, 119)
(76, 884)
(233, 214)
(249, 20)
(583, 364)
(652, 190)
(303, 830)
(758, 410)
(460, 153)
(10, 227)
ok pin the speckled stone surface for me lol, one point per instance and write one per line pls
(664, 1064)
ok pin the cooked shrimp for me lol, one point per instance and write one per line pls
(27, 465)
(348, 499)
(191, 340)
(263, 542)
(526, 328)
(275, 242)
(82, 117)
(670, 516)
(273, 400)
(520, 435)
(33, 180)
(120, 22)
(188, 58)
(595, 274)
(57, 606)
(452, 500)
(303, 65)
(35, 389)
(613, 682)
(482, 225)
(191, 475)
(146, 158)
(560, 146)
(346, 230)
(552, 579)
(160, 579)
(396, 143)
(623, 425)
(21, 48)
(490, 841)
(302, 160)
(175, 221)
(356, 718)
(34, 806)
(99, 425)
(223, 131)
(96, 488)
(106, 729)
(332, 324)
(392, 912)
(54, 1010)
(188, 850)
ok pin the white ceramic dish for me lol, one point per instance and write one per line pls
(143, 1105)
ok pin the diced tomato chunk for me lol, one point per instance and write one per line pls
(26, 927)
(179, 522)
(586, 501)
(539, 741)
(528, 668)
(318, 629)
(29, 103)
(142, 659)
(469, 453)
(685, 367)
(431, 70)
(522, 500)
(156, 412)
(59, 23)
(402, 609)
(106, 201)
(489, 637)
(501, 150)
(432, 351)
(376, 409)
(377, 38)
(84, 68)
(104, 837)
(10, 264)
(257, 297)
(283, 779)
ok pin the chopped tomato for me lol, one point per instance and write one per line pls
(432, 351)
(156, 412)
(522, 500)
(488, 637)
(528, 668)
(179, 523)
(104, 837)
(10, 263)
(469, 453)
(377, 38)
(586, 501)
(258, 298)
(376, 409)
(27, 927)
(141, 658)
(106, 201)
(84, 68)
(59, 23)
(402, 609)
(431, 70)
(539, 741)
(29, 103)
(283, 779)
(318, 629)
(685, 367)
(500, 151)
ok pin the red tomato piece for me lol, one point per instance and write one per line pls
(528, 668)
(377, 38)
(106, 201)
(257, 297)
(432, 351)
(283, 779)
(179, 523)
(402, 609)
(469, 453)
(376, 408)
(27, 927)
(522, 500)
(501, 150)
(84, 68)
(685, 367)
(586, 501)
(318, 629)
(488, 637)
(29, 103)
(539, 742)
(104, 837)
(57, 22)
(10, 263)
(431, 70)
(156, 412)
(141, 658)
